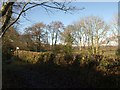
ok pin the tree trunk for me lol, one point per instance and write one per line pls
(93, 49)
(80, 45)
(97, 42)
(6, 15)
(56, 38)
(5, 8)
(118, 42)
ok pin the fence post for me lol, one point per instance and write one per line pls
(17, 48)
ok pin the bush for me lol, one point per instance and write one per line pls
(51, 58)
(77, 60)
(118, 52)
(28, 56)
(68, 58)
(67, 50)
(98, 62)
(7, 52)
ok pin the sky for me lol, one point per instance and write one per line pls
(105, 10)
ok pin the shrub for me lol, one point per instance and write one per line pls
(77, 60)
(67, 49)
(51, 58)
(68, 58)
(41, 59)
(28, 56)
(104, 62)
(118, 52)
(59, 59)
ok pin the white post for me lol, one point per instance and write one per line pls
(17, 48)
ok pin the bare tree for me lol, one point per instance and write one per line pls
(68, 39)
(68, 35)
(79, 33)
(57, 28)
(52, 34)
(114, 29)
(94, 31)
(37, 33)
(10, 8)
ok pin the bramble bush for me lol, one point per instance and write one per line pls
(30, 57)
(118, 52)
(99, 62)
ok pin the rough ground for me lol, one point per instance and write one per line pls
(21, 75)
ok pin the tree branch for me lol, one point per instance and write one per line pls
(34, 5)
(5, 8)
(13, 21)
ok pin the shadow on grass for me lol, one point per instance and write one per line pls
(18, 74)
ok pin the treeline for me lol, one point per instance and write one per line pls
(89, 32)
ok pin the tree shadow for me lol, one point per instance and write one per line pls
(48, 74)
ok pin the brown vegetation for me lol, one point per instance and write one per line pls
(50, 71)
